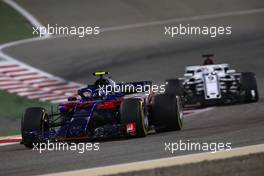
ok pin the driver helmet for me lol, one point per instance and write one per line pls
(208, 61)
(103, 84)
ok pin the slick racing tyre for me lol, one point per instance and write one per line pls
(133, 111)
(174, 86)
(34, 119)
(167, 112)
(249, 88)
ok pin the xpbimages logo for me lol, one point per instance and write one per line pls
(130, 88)
(182, 30)
(188, 145)
(62, 146)
(80, 31)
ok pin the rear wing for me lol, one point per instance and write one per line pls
(207, 55)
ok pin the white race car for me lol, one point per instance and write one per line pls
(214, 84)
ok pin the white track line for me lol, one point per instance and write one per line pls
(164, 162)
(198, 111)
(13, 62)
(184, 19)
(147, 24)
(19, 74)
(34, 22)
(5, 144)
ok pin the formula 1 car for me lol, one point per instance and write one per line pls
(98, 114)
(214, 84)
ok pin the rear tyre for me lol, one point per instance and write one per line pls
(133, 111)
(32, 120)
(249, 88)
(174, 86)
(167, 112)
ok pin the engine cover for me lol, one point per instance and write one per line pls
(211, 86)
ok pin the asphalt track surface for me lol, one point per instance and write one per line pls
(237, 166)
(143, 53)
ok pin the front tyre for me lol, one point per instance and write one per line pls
(167, 112)
(34, 119)
(132, 111)
(249, 88)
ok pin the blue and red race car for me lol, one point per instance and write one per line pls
(99, 113)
